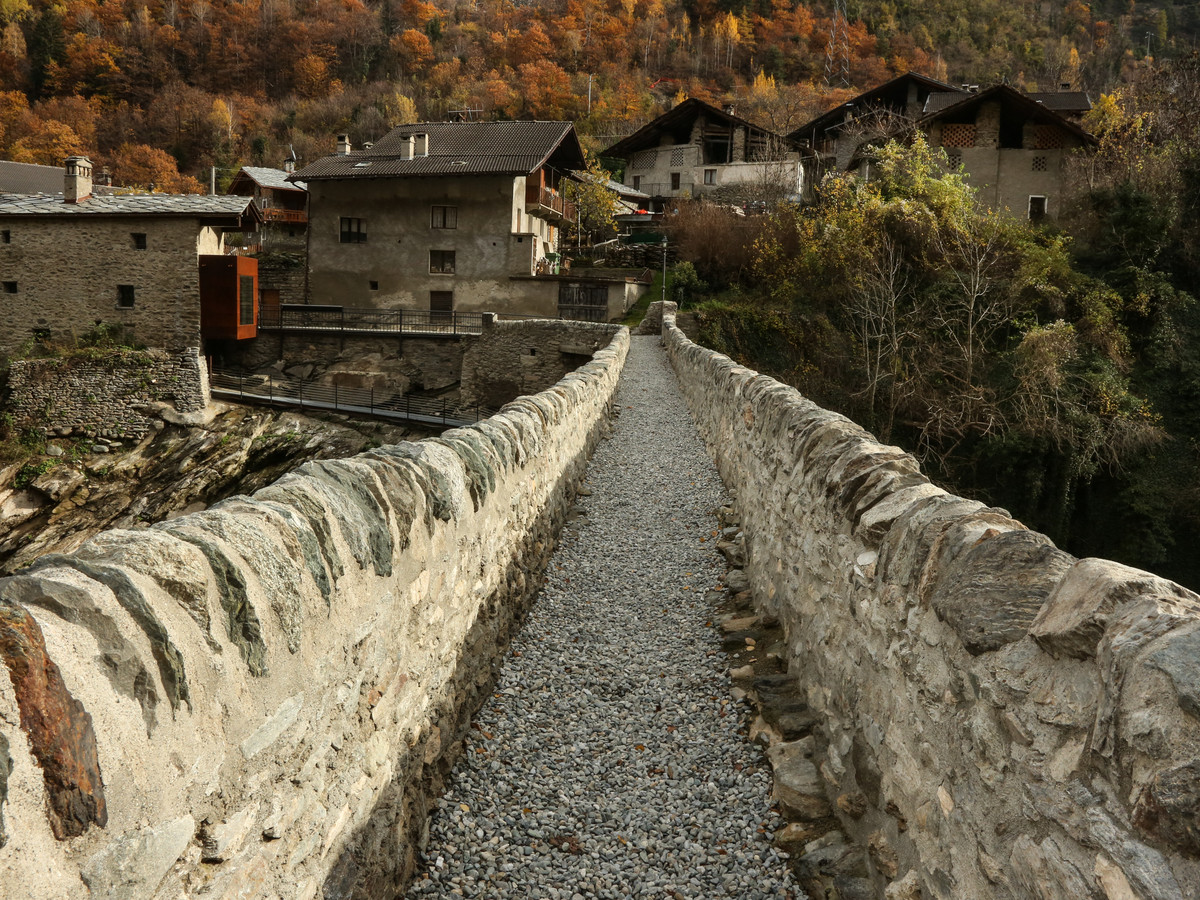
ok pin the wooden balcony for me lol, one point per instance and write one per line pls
(285, 216)
(546, 203)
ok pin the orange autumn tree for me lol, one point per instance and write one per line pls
(142, 166)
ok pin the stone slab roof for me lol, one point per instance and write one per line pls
(27, 178)
(458, 148)
(194, 205)
(275, 179)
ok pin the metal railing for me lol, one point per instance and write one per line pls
(388, 404)
(309, 317)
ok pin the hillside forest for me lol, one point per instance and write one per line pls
(162, 90)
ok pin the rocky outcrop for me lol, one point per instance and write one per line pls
(990, 716)
(273, 689)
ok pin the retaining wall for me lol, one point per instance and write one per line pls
(517, 357)
(996, 717)
(259, 700)
(114, 395)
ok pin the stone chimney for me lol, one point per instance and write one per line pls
(421, 144)
(103, 178)
(78, 182)
(408, 145)
(289, 166)
(343, 145)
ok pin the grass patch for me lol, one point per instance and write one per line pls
(637, 312)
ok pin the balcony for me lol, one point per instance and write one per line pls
(546, 203)
(285, 216)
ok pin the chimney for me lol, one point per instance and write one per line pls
(421, 146)
(408, 145)
(78, 182)
(343, 147)
(103, 178)
(289, 166)
(730, 109)
(1064, 85)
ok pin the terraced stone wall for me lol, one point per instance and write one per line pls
(260, 700)
(995, 718)
(111, 395)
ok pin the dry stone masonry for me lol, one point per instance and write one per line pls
(260, 700)
(116, 396)
(995, 718)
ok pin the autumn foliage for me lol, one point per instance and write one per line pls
(230, 82)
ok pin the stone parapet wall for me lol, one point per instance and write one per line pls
(524, 355)
(995, 717)
(111, 395)
(259, 700)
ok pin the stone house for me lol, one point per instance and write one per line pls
(450, 217)
(69, 263)
(1012, 146)
(696, 150)
(282, 204)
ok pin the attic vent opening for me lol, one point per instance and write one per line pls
(459, 162)
(362, 165)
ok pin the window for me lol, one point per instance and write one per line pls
(10, 287)
(5, 236)
(354, 231)
(1037, 208)
(441, 262)
(443, 217)
(125, 296)
(710, 176)
(139, 240)
(245, 300)
(637, 184)
(674, 181)
(374, 285)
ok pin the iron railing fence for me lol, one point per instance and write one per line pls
(337, 398)
(310, 317)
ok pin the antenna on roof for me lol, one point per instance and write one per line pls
(837, 51)
(469, 114)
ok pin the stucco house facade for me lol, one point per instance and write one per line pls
(1011, 146)
(446, 216)
(697, 150)
(73, 261)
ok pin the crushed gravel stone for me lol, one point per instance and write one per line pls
(609, 763)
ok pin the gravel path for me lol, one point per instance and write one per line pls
(608, 764)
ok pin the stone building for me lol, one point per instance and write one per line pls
(72, 262)
(449, 216)
(282, 205)
(697, 150)
(1011, 146)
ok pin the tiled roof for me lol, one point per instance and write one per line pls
(1063, 101)
(272, 178)
(26, 178)
(198, 205)
(459, 148)
(942, 99)
(680, 117)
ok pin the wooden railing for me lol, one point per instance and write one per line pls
(309, 317)
(287, 216)
(542, 200)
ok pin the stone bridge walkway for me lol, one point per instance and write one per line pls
(608, 764)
